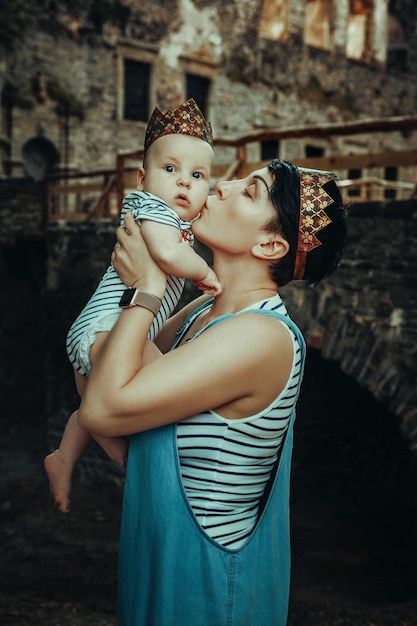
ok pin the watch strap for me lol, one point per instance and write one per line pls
(135, 297)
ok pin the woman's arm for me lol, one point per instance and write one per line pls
(217, 370)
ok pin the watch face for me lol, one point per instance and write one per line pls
(126, 298)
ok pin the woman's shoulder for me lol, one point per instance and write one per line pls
(255, 327)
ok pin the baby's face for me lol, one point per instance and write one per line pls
(178, 171)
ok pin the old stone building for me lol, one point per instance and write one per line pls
(79, 79)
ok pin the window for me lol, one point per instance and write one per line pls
(198, 87)
(391, 173)
(199, 75)
(354, 175)
(5, 165)
(269, 150)
(274, 20)
(358, 29)
(317, 24)
(136, 79)
(397, 52)
(314, 151)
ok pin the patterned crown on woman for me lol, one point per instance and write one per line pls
(187, 119)
(313, 201)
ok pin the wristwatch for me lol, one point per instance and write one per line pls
(135, 297)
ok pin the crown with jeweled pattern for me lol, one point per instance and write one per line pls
(187, 119)
(313, 218)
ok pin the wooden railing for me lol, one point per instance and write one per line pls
(79, 196)
(98, 195)
(370, 184)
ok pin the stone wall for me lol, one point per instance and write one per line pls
(23, 260)
(363, 318)
(46, 277)
(60, 68)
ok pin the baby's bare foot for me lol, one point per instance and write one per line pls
(59, 476)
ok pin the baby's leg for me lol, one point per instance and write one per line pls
(60, 464)
(75, 441)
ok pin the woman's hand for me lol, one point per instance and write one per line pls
(132, 261)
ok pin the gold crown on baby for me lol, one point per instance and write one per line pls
(187, 119)
(313, 200)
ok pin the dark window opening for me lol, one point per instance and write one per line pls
(198, 87)
(314, 151)
(136, 90)
(354, 175)
(391, 173)
(269, 150)
(397, 59)
(397, 51)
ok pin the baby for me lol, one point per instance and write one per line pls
(173, 185)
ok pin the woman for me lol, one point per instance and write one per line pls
(205, 523)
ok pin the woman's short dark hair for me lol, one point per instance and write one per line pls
(285, 197)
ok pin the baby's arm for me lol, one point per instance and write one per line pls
(178, 259)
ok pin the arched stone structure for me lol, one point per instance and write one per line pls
(39, 157)
(364, 317)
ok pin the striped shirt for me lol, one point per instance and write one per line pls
(225, 464)
(102, 310)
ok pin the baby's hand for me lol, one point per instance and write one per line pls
(209, 284)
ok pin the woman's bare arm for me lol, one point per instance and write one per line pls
(217, 370)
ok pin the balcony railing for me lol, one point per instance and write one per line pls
(98, 195)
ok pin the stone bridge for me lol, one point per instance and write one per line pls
(363, 318)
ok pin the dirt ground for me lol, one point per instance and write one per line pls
(61, 570)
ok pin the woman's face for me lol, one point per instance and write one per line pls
(236, 216)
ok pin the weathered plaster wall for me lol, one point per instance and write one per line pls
(257, 82)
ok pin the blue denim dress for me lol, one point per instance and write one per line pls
(171, 573)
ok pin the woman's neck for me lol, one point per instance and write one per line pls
(243, 283)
